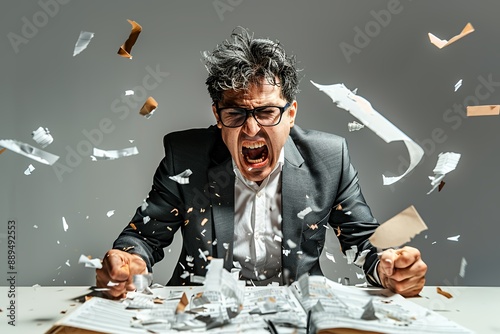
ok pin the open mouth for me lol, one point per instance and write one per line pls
(255, 153)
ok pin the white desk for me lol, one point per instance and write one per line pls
(38, 308)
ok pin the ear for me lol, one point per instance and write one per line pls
(214, 110)
(292, 112)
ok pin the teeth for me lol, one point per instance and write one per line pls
(254, 145)
(255, 161)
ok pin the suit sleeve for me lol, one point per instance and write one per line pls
(155, 222)
(353, 221)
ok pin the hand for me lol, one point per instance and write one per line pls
(119, 267)
(402, 271)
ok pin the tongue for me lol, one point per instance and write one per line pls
(254, 153)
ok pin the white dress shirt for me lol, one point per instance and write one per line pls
(257, 226)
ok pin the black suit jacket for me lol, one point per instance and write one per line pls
(317, 173)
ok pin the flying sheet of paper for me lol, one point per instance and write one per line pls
(42, 137)
(398, 230)
(90, 263)
(114, 154)
(446, 163)
(29, 151)
(363, 111)
(493, 110)
(149, 107)
(441, 43)
(82, 42)
(126, 48)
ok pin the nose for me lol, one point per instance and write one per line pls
(251, 127)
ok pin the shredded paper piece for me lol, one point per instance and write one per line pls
(182, 178)
(29, 151)
(447, 162)
(110, 213)
(29, 170)
(463, 264)
(363, 111)
(129, 92)
(398, 230)
(114, 154)
(441, 43)
(82, 42)
(126, 48)
(454, 238)
(42, 137)
(304, 212)
(149, 107)
(493, 110)
(354, 126)
(65, 225)
(90, 263)
(458, 85)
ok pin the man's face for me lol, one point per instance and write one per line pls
(255, 148)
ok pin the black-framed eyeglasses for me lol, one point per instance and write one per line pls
(234, 117)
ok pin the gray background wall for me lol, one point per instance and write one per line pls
(408, 80)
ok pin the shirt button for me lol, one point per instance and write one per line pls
(259, 194)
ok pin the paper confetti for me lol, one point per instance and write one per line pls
(458, 85)
(149, 107)
(304, 212)
(182, 178)
(354, 126)
(110, 213)
(455, 238)
(90, 263)
(441, 43)
(42, 137)
(65, 225)
(82, 42)
(114, 154)
(446, 163)
(463, 264)
(126, 47)
(29, 170)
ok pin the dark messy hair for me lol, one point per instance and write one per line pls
(244, 60)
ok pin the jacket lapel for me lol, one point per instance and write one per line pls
(294, 189)
(221, 190)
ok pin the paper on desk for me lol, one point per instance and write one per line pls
(126, 47)
(363, 111)
(82, 42)
(149, 107)
(493, 110)
(441, 43)
(114, 154)
(446, 163)
(90, 263)
(399, 229)
(29, 151)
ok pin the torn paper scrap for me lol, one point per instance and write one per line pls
(446, 163)
(114, 154)
(126, 47)
(129, 92)
(354, 126)
(304, 212)
(493, 110)
(458, 85)
(42, 137)
(3, 150)
(65, 224)
(29, 170)
(90, 263)
(454, 238)
(149, 107)
(463, 264)
(351, 254)
(360, 108)
(441, 43)
(29, 151)
(110, 213)
(443, 293)
(82, 42)
(182, 178)
(398, 230)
